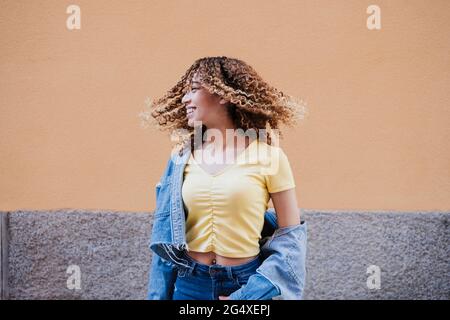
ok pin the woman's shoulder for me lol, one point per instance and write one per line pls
(268, 155)
(270, 150)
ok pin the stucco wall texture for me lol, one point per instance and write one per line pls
(375, 136)
(110, 248)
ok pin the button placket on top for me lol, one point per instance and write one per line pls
(213, 231)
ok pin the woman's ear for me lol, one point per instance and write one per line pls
(223, 101)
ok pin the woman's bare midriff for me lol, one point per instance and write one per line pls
(210, 258)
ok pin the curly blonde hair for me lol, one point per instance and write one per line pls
(253, 103)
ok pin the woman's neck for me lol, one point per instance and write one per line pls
(223, 137)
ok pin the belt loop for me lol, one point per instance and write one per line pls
(230, 272)
(190, 262)
(192, 267)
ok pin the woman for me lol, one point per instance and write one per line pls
(231, 170)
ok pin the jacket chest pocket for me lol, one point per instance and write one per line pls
(161, 231)
(162, 191)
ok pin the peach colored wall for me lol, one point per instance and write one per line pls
(376, 136)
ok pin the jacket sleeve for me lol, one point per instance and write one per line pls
(162, 276)
(258, 287)
(284, 267)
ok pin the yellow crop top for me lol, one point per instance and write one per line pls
(225, 211)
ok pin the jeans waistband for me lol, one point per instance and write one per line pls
(249, 266)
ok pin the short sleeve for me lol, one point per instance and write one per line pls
(279, 176)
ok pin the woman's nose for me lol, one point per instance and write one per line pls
(185, 98)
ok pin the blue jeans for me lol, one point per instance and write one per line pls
(209, 282)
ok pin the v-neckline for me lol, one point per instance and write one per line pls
(221, 171)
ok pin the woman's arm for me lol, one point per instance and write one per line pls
(285, 204)
(258, 286)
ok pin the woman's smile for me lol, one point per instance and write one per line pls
(190, 111)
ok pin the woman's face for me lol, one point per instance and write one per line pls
(203, 106)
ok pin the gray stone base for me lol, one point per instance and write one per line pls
(411, 251)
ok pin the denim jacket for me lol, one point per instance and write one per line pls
(283, 249)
